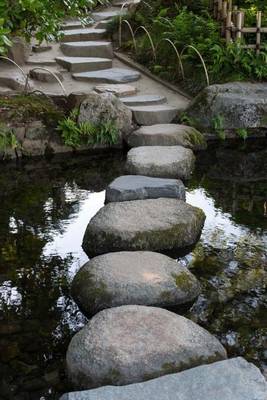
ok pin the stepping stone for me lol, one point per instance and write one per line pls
(136, 277)
(233, 379)
(151, 115)
(72, 25)
(41, 49)
(116, 89)
(112, 75)
(136, 187)
(45, 76)
(103, 15)
(80, 64)
(143, 100)
(87, 49)
(102, 24)
(130, 344)
(163, 225)
(167, 135)
(77, 35)
(41, 62)
(161, 161)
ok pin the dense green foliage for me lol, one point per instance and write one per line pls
(39, 17)
(187, 22)
(76, 134)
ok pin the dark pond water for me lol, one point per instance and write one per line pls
(45, 207)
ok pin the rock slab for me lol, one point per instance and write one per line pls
(131, 344)
(164, 225)
(111, 75)
(137, 277)
(167, 135)
(138, 187)
(161, 161)
(233, 379)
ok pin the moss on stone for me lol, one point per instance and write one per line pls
(183, 281)
(196, 138)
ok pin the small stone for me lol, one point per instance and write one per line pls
(136, 187)
(139, 277)
(118, 90)
(130, 344)
(45, 76)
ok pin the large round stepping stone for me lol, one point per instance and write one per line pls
(131, 344)
(136, 277)
(111, 75)
(161, 161)
(142, 100)
(233, 379)
(165, 225)
(167, 135)
(118, 89)
(156, 114)
(138, 187)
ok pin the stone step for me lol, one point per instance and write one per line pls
(81, 64)
(42, 62)
(128, 3)
(151, 115)
(162, 225)
(102, 24)
(167, 135)
(103, 15)
(138, 187)
(69, 25)
(88, 49)
(233, 379)
(112, 75)
(79, 35)
(138, 343)
(118, 90)
(45, 76)
(161, 161)
(143, 100)
(128, 277)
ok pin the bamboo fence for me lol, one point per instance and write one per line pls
(233, 23)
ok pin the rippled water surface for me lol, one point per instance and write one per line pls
(45, 207)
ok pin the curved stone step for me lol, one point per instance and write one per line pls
(102, 24)
(103, 15)
(45, 76)
(161, 161)
(233, 379)
(129, 344)
(162, 225)
(151, 115)
(138, 187)
(88, 49)
(81, 64)
(143, 100)
(112, 75)
(167, 135)
(69, 25)
(116, 89)
(132, 277)
(79, 35)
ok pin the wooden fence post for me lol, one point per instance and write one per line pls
(239, 22)
(228, 35)
(258, 34)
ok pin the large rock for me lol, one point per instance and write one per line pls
(136, 277)
(167, 135)
(161, 161)
(138, 187)
(131, 344)
(101, 108)
(234, 379)
(237, 104)
(159, 225)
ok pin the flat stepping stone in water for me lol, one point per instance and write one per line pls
(119, 89)
(233, 379)
(143, 100)
(137, 187)
(161, 161)
(80, 64)
(76, 35)
(112, 75)
(136, 277)
(164, 225)
(130, 344)
(151, 115)
(167, 135)
(45, 76)
(103, 15)
(87, 49)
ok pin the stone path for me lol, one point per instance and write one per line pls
(130, 341)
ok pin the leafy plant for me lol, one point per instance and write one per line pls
(218, 126)
(7, 140)
(76, 134)
(242, 133)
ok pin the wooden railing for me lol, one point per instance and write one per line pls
(233, 23)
